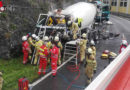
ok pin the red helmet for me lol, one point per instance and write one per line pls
(106, 52)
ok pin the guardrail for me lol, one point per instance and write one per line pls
(104, 78)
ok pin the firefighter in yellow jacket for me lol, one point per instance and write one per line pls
(31, 41)
(90, 60)
(48, 45)
(92, 46)
(82, 44)
(37, 45)
(73, 27)
(1, 81)
(59, 44)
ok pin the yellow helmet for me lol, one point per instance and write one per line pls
(84, 35)
(1, 73)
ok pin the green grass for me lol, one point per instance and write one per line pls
(13, 70)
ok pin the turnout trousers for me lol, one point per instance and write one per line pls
(42, 64)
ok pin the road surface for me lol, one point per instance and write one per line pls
(65, 77)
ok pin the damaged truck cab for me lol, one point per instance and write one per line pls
(50, 26)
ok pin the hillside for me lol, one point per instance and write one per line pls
(19, 19)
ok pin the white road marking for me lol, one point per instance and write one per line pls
(48, 74)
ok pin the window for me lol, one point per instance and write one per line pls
(106, 1)
(114, 2)
(123, 3)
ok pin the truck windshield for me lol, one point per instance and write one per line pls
(105, 8)
(42, 20)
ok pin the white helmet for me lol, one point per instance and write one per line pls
(2, 9)
(34, 35)
(69, 22)
(46, 38)
(124, 42)
(37, 38)
(90, 50)
(24, 38)
(84, 35)
(56, 38)
(92, 42)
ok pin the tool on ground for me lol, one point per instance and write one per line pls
(23, 84)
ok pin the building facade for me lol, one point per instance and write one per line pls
(119, 6)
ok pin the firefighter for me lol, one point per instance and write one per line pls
(73, 27)
(82, 44)
(31, 42)
(61, 21)
(37, 45)
(43, 53)
(59, 45)
(124, 44)
(54, 58)
(79, 21)
(26, 49)
(31, 39)
(49, 46)
(1, 81)
(92, 46)
(90, 60)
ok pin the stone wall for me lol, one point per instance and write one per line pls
(19, 19)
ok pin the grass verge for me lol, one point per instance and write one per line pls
(13, 70)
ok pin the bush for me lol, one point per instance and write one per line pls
(13, 27)
(3, 15)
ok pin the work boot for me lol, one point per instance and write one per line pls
(39, 73)
(44, 73)
(89, 80)
(53, 76)
(95, 71)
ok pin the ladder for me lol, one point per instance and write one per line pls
(71, 49)
(41, 34)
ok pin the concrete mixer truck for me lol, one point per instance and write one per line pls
(55, 22)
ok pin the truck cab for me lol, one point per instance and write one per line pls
(103, 11)
(106, 12)
(50, 25)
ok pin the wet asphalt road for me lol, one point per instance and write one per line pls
(65, 77)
